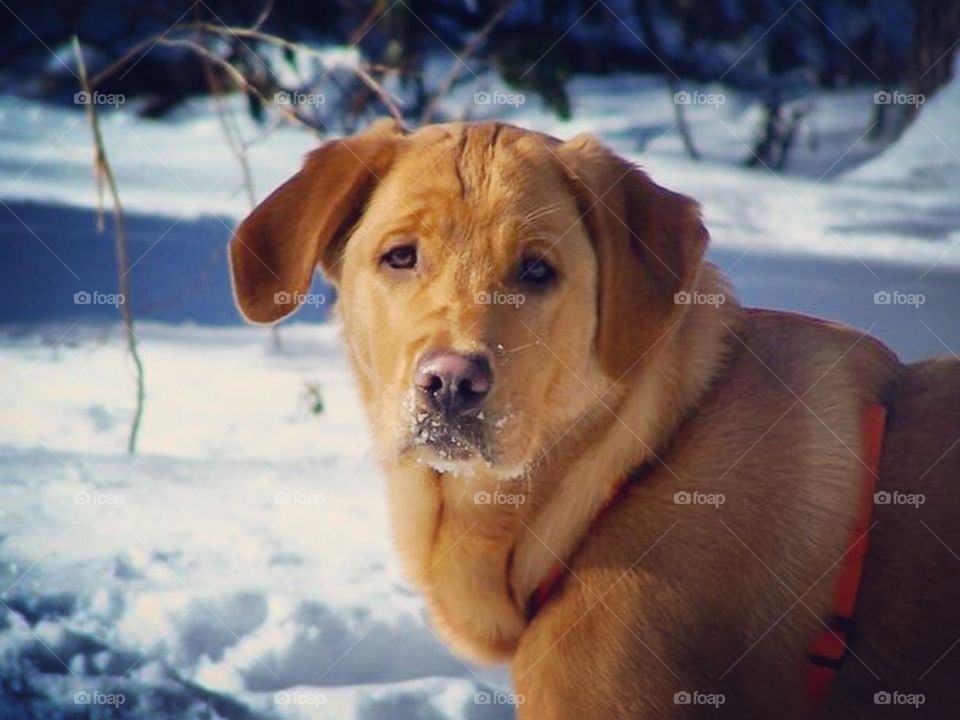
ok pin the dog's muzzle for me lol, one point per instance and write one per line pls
(451, 388)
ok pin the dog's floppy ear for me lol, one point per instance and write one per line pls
(305, 222)
(649, 244)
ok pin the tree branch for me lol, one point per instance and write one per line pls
(103, 172)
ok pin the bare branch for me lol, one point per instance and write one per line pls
(103, 172)
(458, 66)
(361, 69)
(238, 77)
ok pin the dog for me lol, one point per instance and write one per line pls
(600, 467)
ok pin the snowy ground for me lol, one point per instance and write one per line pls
(242, 553)
(240, 566)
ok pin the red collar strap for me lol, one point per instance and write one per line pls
(829, 649)
(556, 574)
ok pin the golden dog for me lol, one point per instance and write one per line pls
(531, 321)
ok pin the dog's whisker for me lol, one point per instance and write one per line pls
(540, 213)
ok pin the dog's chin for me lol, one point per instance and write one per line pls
(462, 460)
(479, 444)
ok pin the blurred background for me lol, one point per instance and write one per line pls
(191, 516)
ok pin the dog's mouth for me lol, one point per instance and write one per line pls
(449, 440)
(468, 443)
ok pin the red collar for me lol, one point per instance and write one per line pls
(829, 649)
(547, 586)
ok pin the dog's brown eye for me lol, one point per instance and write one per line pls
(402, 257)
(536, 271)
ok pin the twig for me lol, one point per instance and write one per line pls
(234, 137)
(646, 14)
(359, 68)
(457, 67)
(225, 115)
(373, 17)
(230, 130)
(680, 115)
(264, 14)
(104, 172)
(362, 70)
(237, 77)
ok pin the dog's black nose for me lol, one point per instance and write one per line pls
(453, 382)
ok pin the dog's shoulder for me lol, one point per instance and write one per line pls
(923, 431)
(803, 353)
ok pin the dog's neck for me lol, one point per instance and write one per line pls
(477, 563)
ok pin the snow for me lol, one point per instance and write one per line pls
(240, 565)
(928, 154)
(245, 550)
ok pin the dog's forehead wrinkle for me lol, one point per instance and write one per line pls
(489, 159)
(474, 160)
(478, 203)
(458, 166)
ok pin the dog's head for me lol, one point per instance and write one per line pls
(493, 282)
